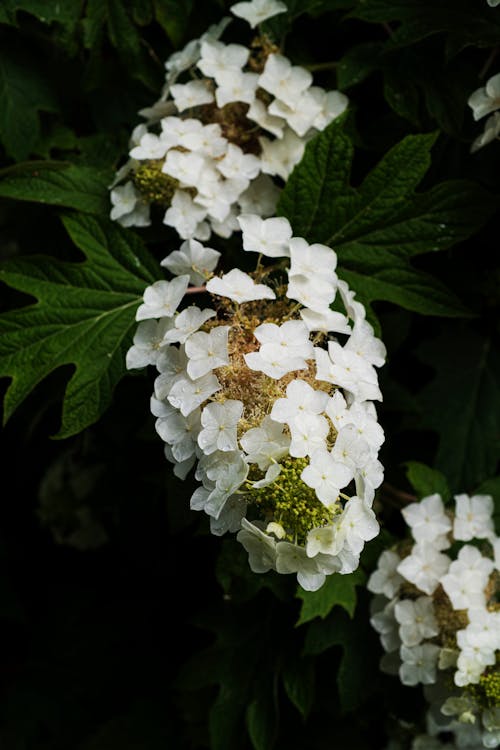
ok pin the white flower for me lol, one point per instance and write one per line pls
(261, 547)
(217, 58)
(416, 619)
(283, 80)
(256, 11)
(325, 321)
(357, 525)
(427, 519)
(312, 260)
(350, 448)
(171, 364)
(184, 215)
(419, 664)
(385, 623)
(467, 578)
(260, 198)
(186, 394)
(206, 351)
(309, 432)
(220, 423)
(485, 99)
(205, 139)
(186, 323)
(191, 94)
(269, 237)
(312, 291)
(149, 339)
(424, 567)
(265, 444)
(235, 86)
(473, 517)
(288, 340)
(179, 432)
(239, 286)
(152, 146)
(490, 133)
(364, 343)
(300, 399)
(162, 298)
(128, 209)
(236, 164)
(293, 559)
(281, 155)
(326, 476)
(192, 259)
(344, 368)
(386, 580)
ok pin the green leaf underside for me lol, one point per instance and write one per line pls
(57, 184)
(426, 481)
(378, 227)
(462, 403)
(298, 681)
(337, 590)
(84, 316)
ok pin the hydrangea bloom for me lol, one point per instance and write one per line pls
(231, 123)
(273, 408)
(438, 612)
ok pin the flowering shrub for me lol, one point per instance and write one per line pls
(261, 394)
(274, 301)
(213, 143)
(437, 614)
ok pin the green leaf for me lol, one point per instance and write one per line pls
(337, 589)
(84, 316)
(419, 19)
(57, 184)
(261, 718)
(66, 13)
(426, 481)
(357, 675)
(462, 404)
(357, 64)
(173, 16)
(298, 680)
(24, 91)
(377, 227)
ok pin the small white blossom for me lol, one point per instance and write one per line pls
(473, 517)
(419, 664)
(149, 339)
(220, 426)
(283, 80)
(427, 519)
(386, 580)
(256, 11)
(239, 287)
(416, 619)
(424, 567)
(269, 237)
(261, 547)
(193, 259)
(162, 298)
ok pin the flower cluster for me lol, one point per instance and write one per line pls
(437, 612)
(231, 118)
(269, 392)
(486, 101)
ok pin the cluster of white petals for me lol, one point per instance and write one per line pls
(436, 612)
(231, 119)
(268, 393)
(486, 101)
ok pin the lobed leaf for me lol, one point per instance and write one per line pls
(84, 316)
(57, 184)
(379, 226)
(337, 590)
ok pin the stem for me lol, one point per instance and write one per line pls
(488, 63)
(322, 66)
(403, 497)
(196, 289)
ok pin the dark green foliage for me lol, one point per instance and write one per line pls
(126, 624)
